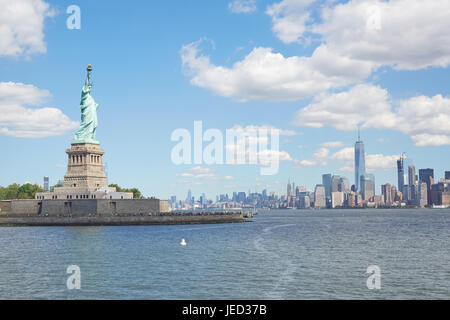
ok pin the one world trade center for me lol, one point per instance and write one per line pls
(360, 162)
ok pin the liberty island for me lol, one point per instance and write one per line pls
(85, 197)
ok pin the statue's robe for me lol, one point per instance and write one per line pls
(86, 132)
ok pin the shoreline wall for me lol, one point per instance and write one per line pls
(118, 220)
(83, 207)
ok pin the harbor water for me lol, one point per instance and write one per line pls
(281, 254)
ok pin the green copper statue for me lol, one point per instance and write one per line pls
(86, 132)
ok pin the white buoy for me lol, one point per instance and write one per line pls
(183, 242)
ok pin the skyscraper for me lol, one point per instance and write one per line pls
(337, 199)
(447, 175)
(304, 201)
(393, 193)
(401, 172)
(423, 194)
(288, 189)
(264, 194)
(203, 199)
(344, 185)
(411, 174)
(173, 202)
(367, 187)
(335, 183)
(326, 183)
(360, 162)
(386, 192)
(189, 197)
(427, 176)
(412, 190)
(371, 177)
(319, 196)
(46, 184)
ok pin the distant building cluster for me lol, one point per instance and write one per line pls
(422, 189)
(335, 191)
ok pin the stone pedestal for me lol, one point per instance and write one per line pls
(85, 178)
(85, 167)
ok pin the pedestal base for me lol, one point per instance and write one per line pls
(85, 166)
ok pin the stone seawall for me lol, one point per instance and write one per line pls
(117, 220)
(83, 207)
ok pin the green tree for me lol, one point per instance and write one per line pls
(113, 185)
(12, 191)
(16, 191)
(136, 193)
(55, 186)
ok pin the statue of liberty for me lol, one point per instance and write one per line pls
(88, 126)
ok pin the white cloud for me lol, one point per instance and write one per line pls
(289, 18)
(185, 175)
(363, 104)
(430, 140)
(265, 157)
(19, 93)
(199, 173)
(395, 33)
(22, 27)
(332, 144)
(19, 121)
(242, 6)
(425, 119)
(281, 132)
(355, 38)
(347, 168)
(373, 161)
(202, 173)
(380, 161)
(266, 75)
(191, 183)
(343, 155)
(347, 156)
(244, 145)
(407, 34)
(201, 170)
(208, 176)
(319, 158)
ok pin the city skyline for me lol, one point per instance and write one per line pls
(412, 189)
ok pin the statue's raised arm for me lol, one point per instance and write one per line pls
(87, 84)
(88, 106)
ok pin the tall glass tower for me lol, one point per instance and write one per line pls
(412, 190)
(401, 172)
(360, 162)
(289, 188)
(46, 184)
(326, 183)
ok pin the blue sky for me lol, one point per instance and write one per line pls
(248, 76)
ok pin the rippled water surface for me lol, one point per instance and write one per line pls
(284, 254)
